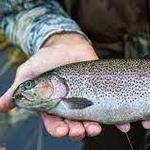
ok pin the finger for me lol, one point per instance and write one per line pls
(55, 126)
(6, 101)
(124, 127)
(77, 131)
(146, 124)
(92, 128)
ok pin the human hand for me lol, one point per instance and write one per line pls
(58, 50)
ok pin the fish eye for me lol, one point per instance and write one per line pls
(28, 85)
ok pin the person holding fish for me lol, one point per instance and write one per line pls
(55, 33)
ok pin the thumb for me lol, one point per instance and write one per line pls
(23, 73)
(6, 100)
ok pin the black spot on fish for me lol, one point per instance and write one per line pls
(78, 103)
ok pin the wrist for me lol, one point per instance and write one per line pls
(66, 38)
(70, 47)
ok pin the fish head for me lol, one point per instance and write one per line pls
(40, 94)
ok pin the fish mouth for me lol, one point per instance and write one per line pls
(45, 105)
(35, 107)
(21, 97)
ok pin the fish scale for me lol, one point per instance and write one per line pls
(108, 91)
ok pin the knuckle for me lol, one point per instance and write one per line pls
(20, 69)
(20, 73)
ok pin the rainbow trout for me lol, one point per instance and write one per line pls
(106, 91)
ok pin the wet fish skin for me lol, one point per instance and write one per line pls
(108, 91)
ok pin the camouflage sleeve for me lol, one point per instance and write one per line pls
(28, 23)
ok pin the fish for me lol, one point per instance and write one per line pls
(109, 91)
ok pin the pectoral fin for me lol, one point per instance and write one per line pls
(77, 103)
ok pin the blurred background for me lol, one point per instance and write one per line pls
(20, 129)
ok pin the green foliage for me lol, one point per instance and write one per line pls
(14, 55)
(4, 41)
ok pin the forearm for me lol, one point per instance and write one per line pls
(31, 24)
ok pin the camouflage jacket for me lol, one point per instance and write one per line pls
(28, 23)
